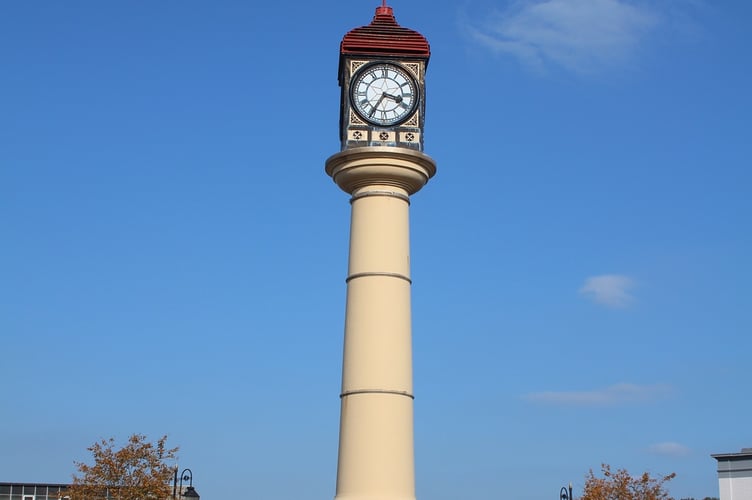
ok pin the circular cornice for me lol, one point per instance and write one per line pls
(403, 168)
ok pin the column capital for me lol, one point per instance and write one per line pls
(404, 168)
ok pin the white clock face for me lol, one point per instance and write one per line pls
(384, 94)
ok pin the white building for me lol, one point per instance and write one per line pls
(735, 475)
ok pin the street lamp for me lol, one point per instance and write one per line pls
(566, 494)
(190, 492)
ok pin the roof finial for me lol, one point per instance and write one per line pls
(384, 10)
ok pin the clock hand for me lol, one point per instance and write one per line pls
(376, 105)
(395, 98)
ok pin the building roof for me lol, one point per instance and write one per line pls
(384, 37)
(49, 485)
(744, 454)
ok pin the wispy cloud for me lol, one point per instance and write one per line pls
(584, 36)
(670, 449)
(618, 394)
(610, 290)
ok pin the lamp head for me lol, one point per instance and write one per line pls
(191, 494)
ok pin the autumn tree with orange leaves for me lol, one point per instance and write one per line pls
(620, 485)
(137, 471)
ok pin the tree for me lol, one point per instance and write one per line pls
(620, 485)
(137, 471)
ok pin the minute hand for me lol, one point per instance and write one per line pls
(373, 110)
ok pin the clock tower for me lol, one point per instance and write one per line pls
(381, 165)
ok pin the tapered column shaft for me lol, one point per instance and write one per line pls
(376, 428)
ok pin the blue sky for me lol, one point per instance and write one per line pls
(173, 254)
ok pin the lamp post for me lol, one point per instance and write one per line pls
(190, 492)
(566, 493)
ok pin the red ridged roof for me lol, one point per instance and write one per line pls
(384, 37)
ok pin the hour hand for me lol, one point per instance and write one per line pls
(395, 98)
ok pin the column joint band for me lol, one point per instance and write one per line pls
(377, 273)
(376, 391)
(391, 194)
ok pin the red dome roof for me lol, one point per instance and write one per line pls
(384, 37)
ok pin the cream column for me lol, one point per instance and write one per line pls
(376, 420)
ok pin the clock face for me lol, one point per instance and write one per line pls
(383, 94)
